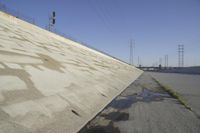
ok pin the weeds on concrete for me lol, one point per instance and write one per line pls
(173, 94)
(176, 96)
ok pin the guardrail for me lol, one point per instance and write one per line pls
(31, 20)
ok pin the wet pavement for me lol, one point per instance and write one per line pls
(144, 107)
(145, 96)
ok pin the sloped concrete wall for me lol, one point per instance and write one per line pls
(51, 84)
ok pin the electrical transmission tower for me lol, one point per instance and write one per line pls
(181, 55)
(166, 60)
(131, 52)
(160, 61)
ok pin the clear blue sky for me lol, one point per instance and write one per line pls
(157, 26)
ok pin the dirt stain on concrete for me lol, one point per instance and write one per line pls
(14, 96)
(51, 63)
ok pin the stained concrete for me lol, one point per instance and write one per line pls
(144, 107)
(52, 84)
(186, 86)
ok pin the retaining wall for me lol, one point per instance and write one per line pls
(52, 84)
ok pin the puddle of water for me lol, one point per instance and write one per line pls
(145, 96)
(148, 96)
(116, 116)
(101, 129)
(123, 103)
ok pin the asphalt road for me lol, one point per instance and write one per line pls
(144, 107)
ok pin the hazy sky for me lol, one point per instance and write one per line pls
(157, 26)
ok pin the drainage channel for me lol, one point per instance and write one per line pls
(145, 96)
(120, 105)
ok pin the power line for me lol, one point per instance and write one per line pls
(105, 12)
(99, 15)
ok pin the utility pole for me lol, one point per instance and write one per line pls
(180, 55)
(52, 21)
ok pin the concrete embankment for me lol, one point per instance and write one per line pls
(51, 84)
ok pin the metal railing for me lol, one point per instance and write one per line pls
(31, 20)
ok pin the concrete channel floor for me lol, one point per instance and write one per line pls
(187, 86)
(144, 107)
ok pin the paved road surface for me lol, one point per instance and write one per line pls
(144, 107)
